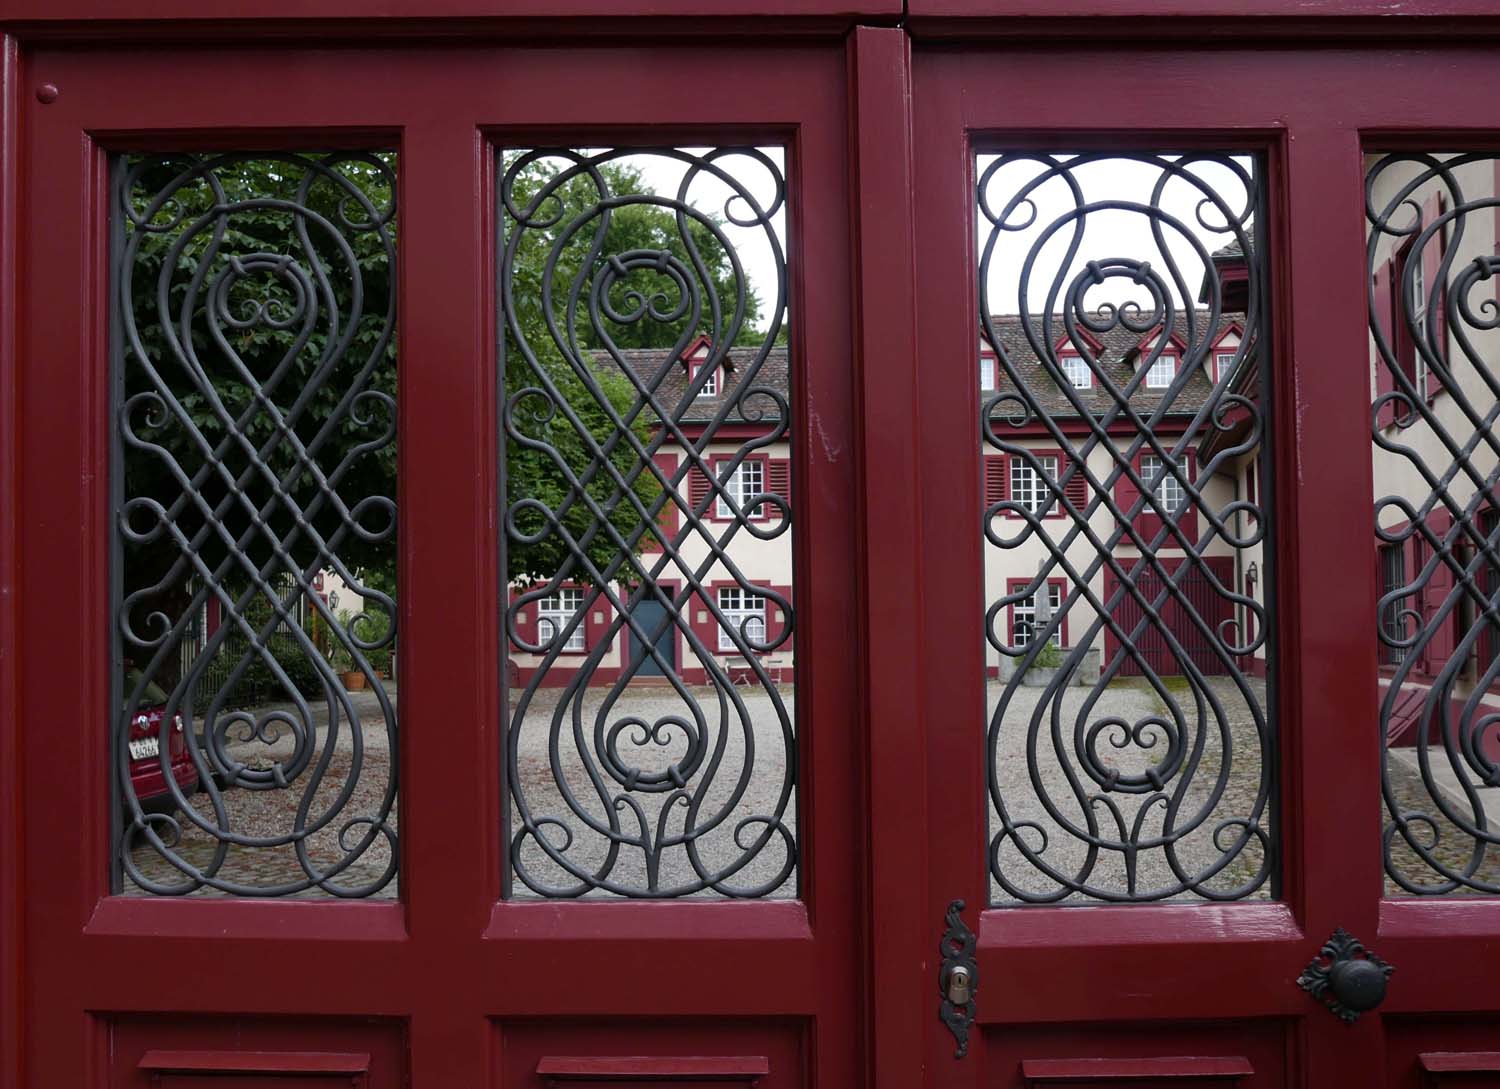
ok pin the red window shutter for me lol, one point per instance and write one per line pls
(698, 489)
(996, 483)
(1384, 318)
(779, 478)
(1126, 493)
(1437, 302)
(775, 628)
(1077, 488)
(668, 518)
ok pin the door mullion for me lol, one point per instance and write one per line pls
(1327, 707)
(900, 930)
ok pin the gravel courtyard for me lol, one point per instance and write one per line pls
(728, 820)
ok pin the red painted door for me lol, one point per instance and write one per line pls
(272, 352)
(1143, 843)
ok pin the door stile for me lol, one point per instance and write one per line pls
(901, 935)
(1330, 812)
(948, 409)
(448, 573)
(62, 536)
(12, 1024)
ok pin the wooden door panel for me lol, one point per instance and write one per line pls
(1442, 1052)
(172, 1051)
(1195, 1055)
(671, 1053)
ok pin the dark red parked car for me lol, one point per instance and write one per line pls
(146, 778)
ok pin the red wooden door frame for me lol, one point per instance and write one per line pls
(450, 957)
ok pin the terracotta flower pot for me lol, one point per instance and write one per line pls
(354, 680)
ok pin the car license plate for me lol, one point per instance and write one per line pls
(144, 748)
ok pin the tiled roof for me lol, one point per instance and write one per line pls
(647, 363)
(1116, 359)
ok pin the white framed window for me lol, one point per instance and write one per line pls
(1167, 487)
(554, 613)
(1077, 371)
(1162, 372)
(1419, 318)
(1223, 364)
(743, 612)
(746, 482)
(1023, 618)
(710, 387)
(1027, 488)
(987, 372)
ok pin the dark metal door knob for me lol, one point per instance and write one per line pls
(1358, 984)
(1346, 977)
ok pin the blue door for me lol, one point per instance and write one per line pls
(651, 616)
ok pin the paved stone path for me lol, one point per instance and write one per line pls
(1033, 782)
(266, 812)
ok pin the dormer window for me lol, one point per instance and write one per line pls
(696, 360)
(1162, 372)
(1223, 363)
(1077, 371)
(710, 387)
(987, 381)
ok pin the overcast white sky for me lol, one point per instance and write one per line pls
(1108, 232)
(709, 194)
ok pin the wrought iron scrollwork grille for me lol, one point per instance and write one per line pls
(1129, 754)
(646, 421)
(254, 307)
(1435, 400)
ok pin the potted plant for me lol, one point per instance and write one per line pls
(343, 660)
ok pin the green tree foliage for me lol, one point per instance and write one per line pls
(566, 344)
(214, 299)
(285, 358)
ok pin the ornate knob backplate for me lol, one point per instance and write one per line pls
(1346, 977)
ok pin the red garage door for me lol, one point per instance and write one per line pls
(1173, 617)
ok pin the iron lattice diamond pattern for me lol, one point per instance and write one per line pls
(1134, 762)
(642, 502)
(255, 426)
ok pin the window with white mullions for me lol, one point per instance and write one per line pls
(1024, 622)
(1162, 372)
(742, 485)
(1077, 371)
(1030, 489)
(1168, 488)
(987, 382)
(555, 612)
(743, 612)
(1225, 363)
(1392, 620)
